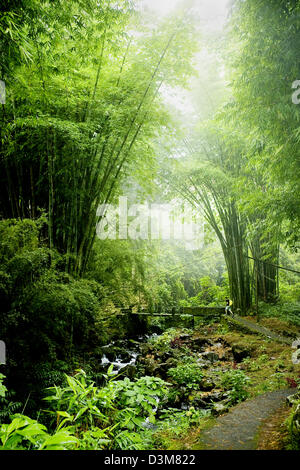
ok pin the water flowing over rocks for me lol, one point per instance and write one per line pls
(147, 356)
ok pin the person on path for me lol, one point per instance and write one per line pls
(228, 307)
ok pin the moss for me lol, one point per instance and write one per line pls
(189, 440)
(273, 433)
(281, 327)
(252, 343)
(268, 365)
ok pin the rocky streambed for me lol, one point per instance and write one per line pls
(192, 363)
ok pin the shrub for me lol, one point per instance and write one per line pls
(24, 433)
(235, 382)
(188, 375)
(114, 416)
(293, 425)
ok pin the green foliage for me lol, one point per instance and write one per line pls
(258, 364)
(80, 402)
(210, 294)
(84, 110)
(85, 119)
(94, 439)
(47, 317)
(139, 400)
(187, 375)
(111, 416)
(235, 382)
(87, 417)
(164, 339)
(263, 69)
(3, 389)
(287, 311)
(179, 422)
(293, 426)
(25, 433)
(8, 405)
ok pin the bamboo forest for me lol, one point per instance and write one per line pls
(149, 227)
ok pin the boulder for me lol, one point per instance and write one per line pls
(205, 399)
(209, 356)
(207, 384)
(220, 408)
(195, 398)
(240, 353)
(200, 343)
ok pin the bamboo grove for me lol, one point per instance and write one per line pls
(81, 111)
(84, 112)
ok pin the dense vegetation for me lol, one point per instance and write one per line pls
(86, 119)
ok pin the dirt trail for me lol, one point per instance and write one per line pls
(255, 327)
(238, 429)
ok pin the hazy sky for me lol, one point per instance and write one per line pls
(212, 11)
(213, 14)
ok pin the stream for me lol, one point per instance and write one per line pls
(123, 353)
(129, 355)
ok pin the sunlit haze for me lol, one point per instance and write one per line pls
(213, 12)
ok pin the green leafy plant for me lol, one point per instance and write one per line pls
(80, 402)
(94, 439)
(235, 382)
(139, 400)
(3, 389)
(254, 365)
(189, 375)
(164, 341)
(26, 433)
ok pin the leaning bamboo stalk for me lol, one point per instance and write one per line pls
(115, 159)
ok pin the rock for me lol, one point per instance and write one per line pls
(207, 398)
(202, 363)
(240, 353)
(222, 341)
(219, 408)
(224, 353)
(164, 356)
(150, 365)
(200, 343)
(195, 398)
(217, 396)
(163, 367)
(210, 356)
(117, 352)
(227, 356)
(207, 385)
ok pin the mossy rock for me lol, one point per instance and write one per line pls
(235, 325)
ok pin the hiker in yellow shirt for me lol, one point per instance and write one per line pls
(228, 307)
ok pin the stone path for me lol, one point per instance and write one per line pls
(238, 429)
(257, 328)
